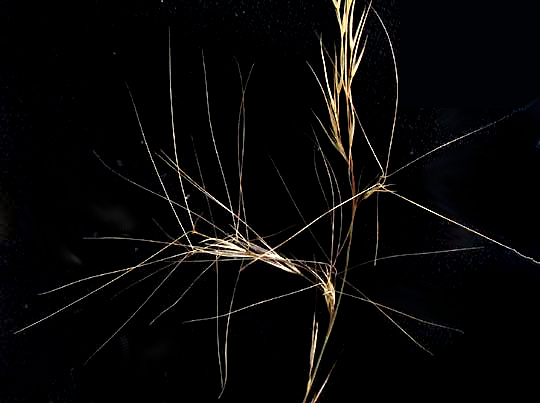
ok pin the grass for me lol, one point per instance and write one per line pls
(222, 232)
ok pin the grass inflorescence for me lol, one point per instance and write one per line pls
(222, 232)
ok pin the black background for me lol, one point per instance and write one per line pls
(64, 69)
